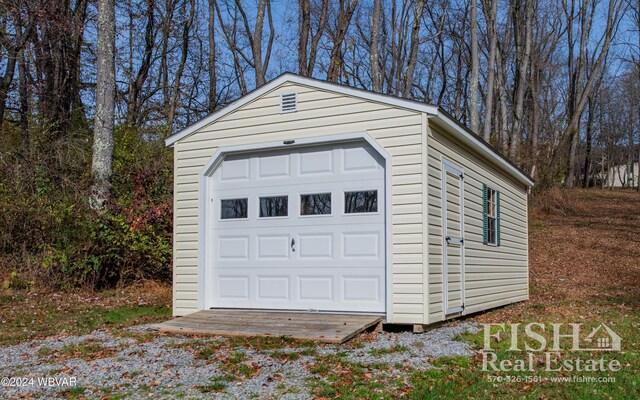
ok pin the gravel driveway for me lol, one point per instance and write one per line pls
(140, 364)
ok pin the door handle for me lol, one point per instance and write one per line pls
(293, 245)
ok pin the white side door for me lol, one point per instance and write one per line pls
(453, 238)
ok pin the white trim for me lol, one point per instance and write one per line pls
(204, 223)
(425, 218)
(447, 165)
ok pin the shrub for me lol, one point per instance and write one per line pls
(48, 233)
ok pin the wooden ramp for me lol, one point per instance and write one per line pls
(329, 328)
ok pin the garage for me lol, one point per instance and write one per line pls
(299, 229)
(312, 197)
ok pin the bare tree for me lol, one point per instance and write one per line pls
(490, 9)
(183, 59)
(475, 69)
(136, 85)
(101, 167)
(12, 48)
(213, 77)
(374, 48)
(346, 9)
(413, 52)
(259, 64)
(307, 62)
(523, 22)
(579, 93)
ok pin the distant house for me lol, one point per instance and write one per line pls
(623, 176)
(312, 196)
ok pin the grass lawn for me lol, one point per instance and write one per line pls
(38, 314)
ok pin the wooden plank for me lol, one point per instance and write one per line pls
(329, 328)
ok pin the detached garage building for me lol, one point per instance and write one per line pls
(307, 195)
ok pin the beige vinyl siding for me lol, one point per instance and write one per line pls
(494, 276)
(319, 113)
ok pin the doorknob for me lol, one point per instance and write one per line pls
(293, 244)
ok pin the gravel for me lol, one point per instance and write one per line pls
(140, 364)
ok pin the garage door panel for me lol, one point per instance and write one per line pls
(314, 163)
(361, 245)
(270, 247)
(321, 258)
(316, 288)
(270, 167)
(272, 287)
(233, 248)
(234, 170)
(315, 246)
(233, 287)
(359, 159)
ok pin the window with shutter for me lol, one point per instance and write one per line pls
(490, 216)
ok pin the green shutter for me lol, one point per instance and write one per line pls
(485, 228)
(497, 218)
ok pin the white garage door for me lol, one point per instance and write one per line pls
(300, 230)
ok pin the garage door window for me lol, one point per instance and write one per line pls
(361, 202)
(275, 206)
(233, 209)
(315, 204)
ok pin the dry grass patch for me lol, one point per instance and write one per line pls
(582, 259)
(35, 314)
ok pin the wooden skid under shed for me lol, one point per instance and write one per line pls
(321, 327)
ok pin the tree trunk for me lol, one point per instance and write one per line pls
(374, 49)
(306, 63)
(213, 77)
(475, 69)
(502, 90)
(345, 12)
(571, 175)
(588, 140)
(12, 51)
(304, 26)
(183, 59)
(23, 71)
(490, 9)
(413, 53)
(133, 109)
(105, 101)
(522, 32)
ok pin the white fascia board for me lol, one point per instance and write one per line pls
(301, 80)
(459, 132)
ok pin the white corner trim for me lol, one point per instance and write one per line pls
(205, 223)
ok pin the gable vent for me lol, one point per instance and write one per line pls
(288, 102)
